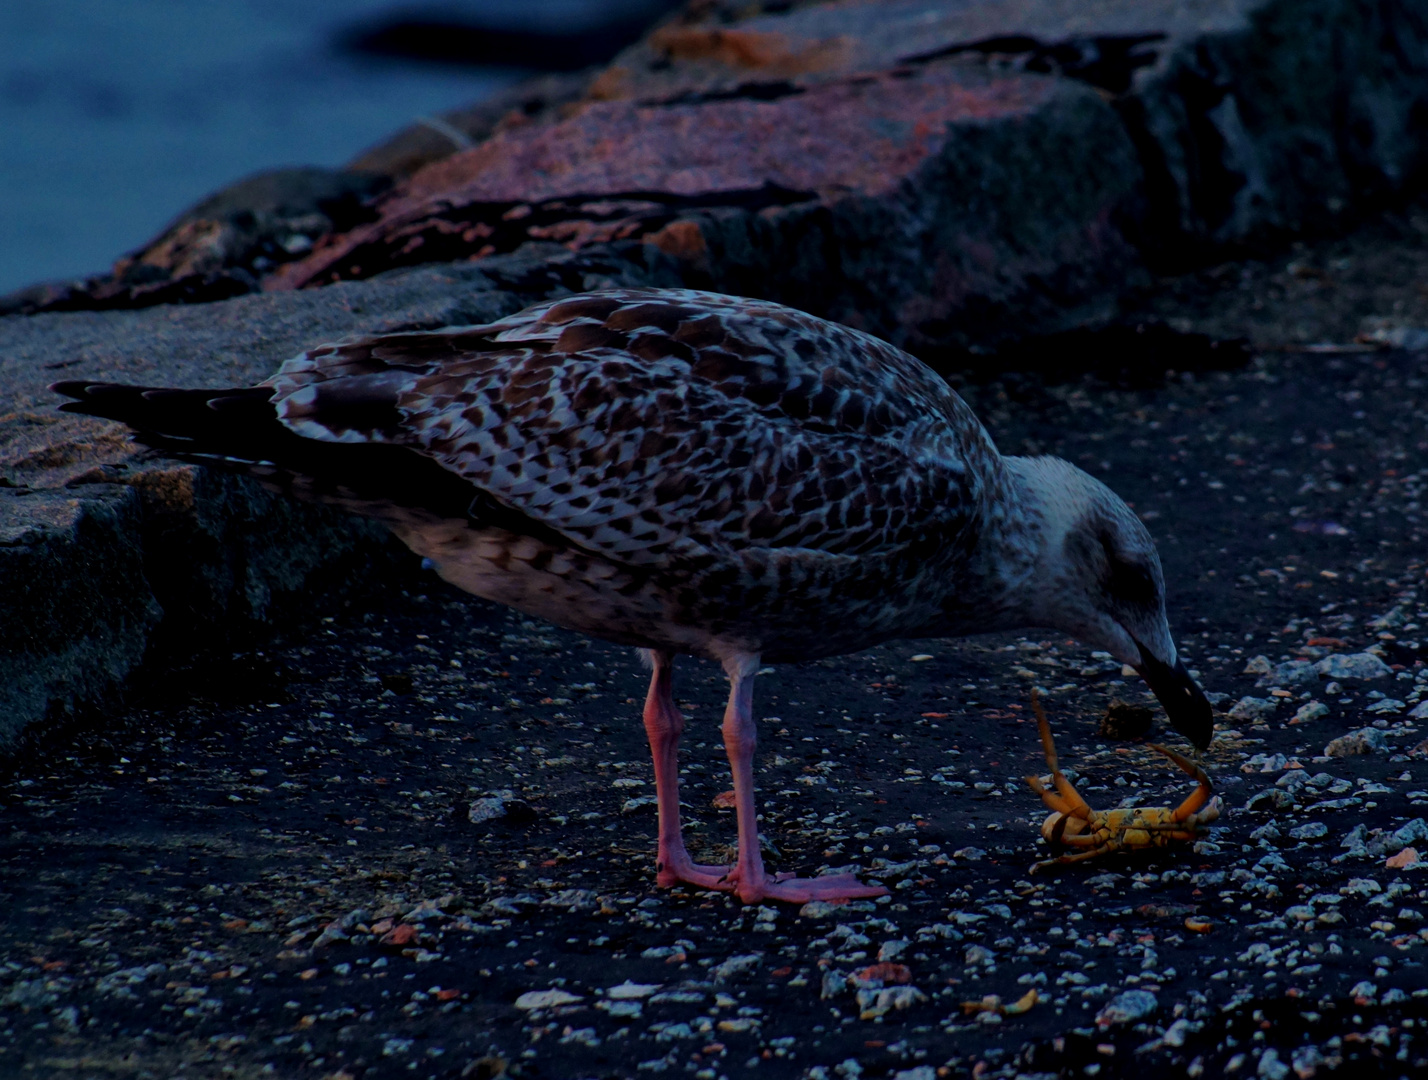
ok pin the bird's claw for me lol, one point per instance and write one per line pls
(796, 890)
(720, 878)
(783, 886)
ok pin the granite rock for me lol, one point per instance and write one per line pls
(78, 610)
(109, 553)
(1251, 117)
(884, 201)
(942, 173)
(432, 139)
(883, 163)
(222, 246)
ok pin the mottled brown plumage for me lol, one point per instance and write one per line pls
(717, 471)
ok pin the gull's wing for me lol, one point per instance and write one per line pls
(646, 424)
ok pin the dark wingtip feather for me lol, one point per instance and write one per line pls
(73, 388)
(239, 429)
(111, 401)
(188, 414)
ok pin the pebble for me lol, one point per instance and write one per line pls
(487, 809)
(742, 1023)
(1360, 887)
(1416, 830)
(546, 999)
(1264, 762)
(630, 990)
(1353, 666)
(1270, 799)
(1270, 1067)
(979, 954)
(1175, 1034)
(736, 965)
(631, 1009)
(1363, 741)
(677, 997)
(1325, 805)
(573, 900)
(876, 1003)
(1387, 707)
(1128, 1007)
(1404, 859)
(1290, 673)
(1310, 711)
(1253, 708)
(891, 950)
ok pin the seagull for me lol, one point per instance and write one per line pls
(692, 473)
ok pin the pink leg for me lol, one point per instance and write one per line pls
(664, 724)
(753, 884)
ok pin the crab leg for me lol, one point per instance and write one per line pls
(1054, 801)
(1075, 805)
(1104, 849)
(1199, 796)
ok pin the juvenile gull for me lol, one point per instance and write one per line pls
(693, 473)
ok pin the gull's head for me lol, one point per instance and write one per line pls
(1096, 575)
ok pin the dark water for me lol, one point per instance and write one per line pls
(117, 114)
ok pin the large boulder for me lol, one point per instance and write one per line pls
(109, 553)
(1250, 117)
(222, 246)
(917, 203)
(943, 173)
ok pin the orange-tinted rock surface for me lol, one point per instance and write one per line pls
(883, 200)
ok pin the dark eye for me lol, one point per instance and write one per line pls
(1130, 583)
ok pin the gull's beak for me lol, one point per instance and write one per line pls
(1184, 701)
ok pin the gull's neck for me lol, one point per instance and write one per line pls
(1021, 537)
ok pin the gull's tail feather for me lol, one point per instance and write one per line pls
(239, 429)
(239, 424)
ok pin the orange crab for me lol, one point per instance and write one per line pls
(1075, 824)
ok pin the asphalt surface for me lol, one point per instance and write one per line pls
(352, 852)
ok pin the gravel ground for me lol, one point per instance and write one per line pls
(417, 838)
